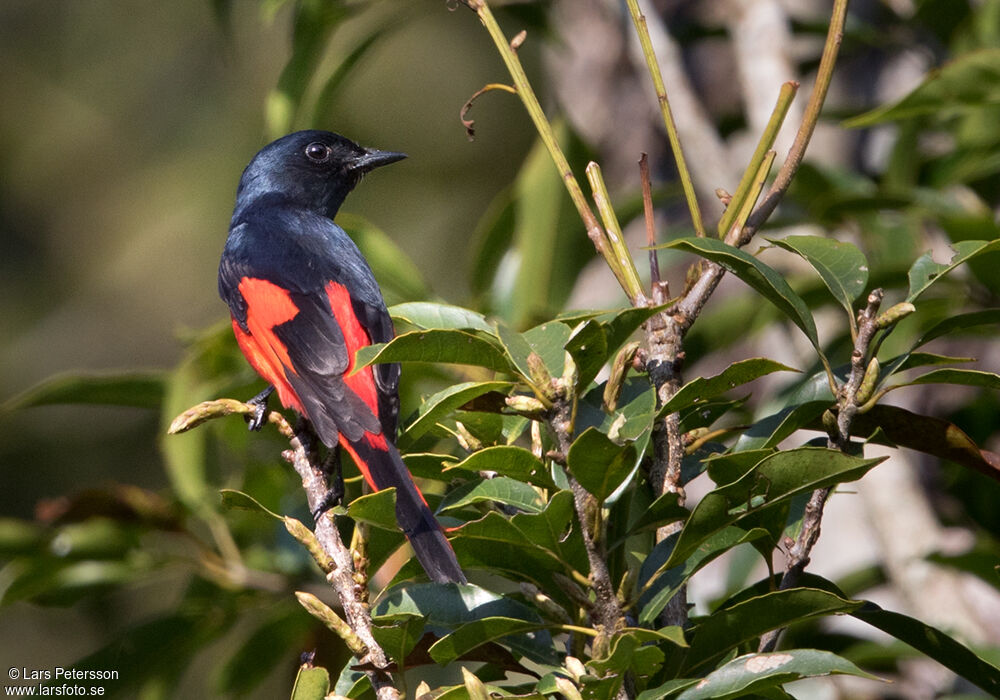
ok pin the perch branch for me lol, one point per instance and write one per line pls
(336, 558)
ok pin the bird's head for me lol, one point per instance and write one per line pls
(313, 169)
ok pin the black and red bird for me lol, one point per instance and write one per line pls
(303, 300)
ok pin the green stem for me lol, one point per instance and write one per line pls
(624, 265)
(668, 118)
(798, 150)
(785, 97)
(531, 104)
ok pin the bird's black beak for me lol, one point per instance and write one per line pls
(374, 158)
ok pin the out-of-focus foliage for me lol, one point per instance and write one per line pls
(223, 573)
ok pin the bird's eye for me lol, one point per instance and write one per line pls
(317, 152)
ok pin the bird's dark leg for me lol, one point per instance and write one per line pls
(335, 481)
(256, 420)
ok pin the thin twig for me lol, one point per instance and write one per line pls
(668, 118)
(647, 210)
(824, 74)
(838, 439)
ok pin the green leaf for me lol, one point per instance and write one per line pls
(662, 584)
(665, 509)
(433, 409)
(638, 650)
(20, 537)
(378, 509)
(933, 436)
(842, 267)
(620, 325)
(702, 389)
(912, 360)
(963, 377)
(961, 322)
(762, 278)
(935, 644)
(231, 498)
(499, 490)
(769, 431)
(399, 277)
(311, 683)
(136, 389)
(599, 464)
(428, 465)
(438, 346)
(726, 629)
(926, 272)
(426, 315)
(526, 546)
(508, 460)
(476, 633)
(588, 345)
(547, 341)
(971, 81)
(775, 479)
(398, 635)
(752, 673)
(452, 606)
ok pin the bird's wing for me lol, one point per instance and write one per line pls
(300, 312)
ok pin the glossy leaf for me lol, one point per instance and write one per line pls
(752, 673)
(378, 509)
(775, 479)
(638, 650)
(311, 683)
(961, 322)
(928, 434)
(399, 634)
(588, 345)
(702, 388)
(963, 377)
(508, 460)
(663, 584)
(436, 407)
(726, 629)
(478, 632)
(926, 272)
(438, 346)
(426, 315)
(935, 644)
(769, 431)
(502, 489)
(231, 498)
(762, 278)
(842, 267)
(599, 464)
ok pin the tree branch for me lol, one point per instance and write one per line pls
(336, 559)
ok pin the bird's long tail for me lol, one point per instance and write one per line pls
(382, 467)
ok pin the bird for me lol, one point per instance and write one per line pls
(303, 299)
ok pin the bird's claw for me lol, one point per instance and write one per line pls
(257, 419)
